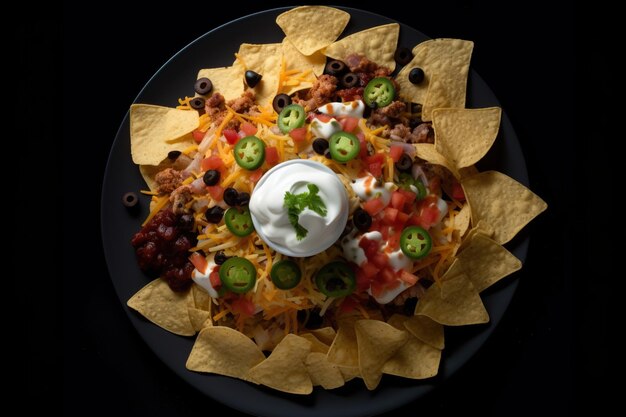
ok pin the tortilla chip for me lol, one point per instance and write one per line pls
(377, 342)
(311, 28)
(316, 344)
(264, 59)
(462, 219)
(228, 81)
(199, 318)
(284, 369)
(163, 307)
(202, 299)
(344, 350)
(378, 44)
(325, 334)
(224, 351)
(349, 372)
(501, 202)
(323, 372)
(486, 262)
(446, 60)
(416, 359)
(294, 60)
(453, 302)
(157, 130)
(426, 330)
(464, 136)
(428, 153)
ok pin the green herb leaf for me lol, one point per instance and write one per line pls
(296, 203)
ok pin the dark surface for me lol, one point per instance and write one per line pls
(532, 362)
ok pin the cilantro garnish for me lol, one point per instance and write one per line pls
(296, 203)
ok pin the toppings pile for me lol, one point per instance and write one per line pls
(348, 263)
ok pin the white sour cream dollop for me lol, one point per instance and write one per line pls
(349, 108)
(269, 214)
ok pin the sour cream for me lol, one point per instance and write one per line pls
(269, 214)
(325, 129)
(368, 188)
(202, 278)
(349, 108)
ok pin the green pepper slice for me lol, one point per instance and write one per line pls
(239, 221)
(291, 117)
(238, 275)
(415, 242)
(336, 279)
(344, 146)
(406, 181)
(250, 152)
(379, 91)
(286, 274)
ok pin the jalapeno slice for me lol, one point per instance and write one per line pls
(343, 146)
(286, 274)
(379, 91)
(291, 117)
(407, 182)
(336, 279)
(415, 242)
(250, 153)
(239, 221)
(238, 275)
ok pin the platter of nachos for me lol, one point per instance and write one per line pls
(303, 220)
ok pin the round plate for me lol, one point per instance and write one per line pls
(175, 79)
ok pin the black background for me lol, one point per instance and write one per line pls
(538, 359)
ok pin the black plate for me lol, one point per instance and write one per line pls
(175, 79)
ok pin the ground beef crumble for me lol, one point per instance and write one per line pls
(168, 180)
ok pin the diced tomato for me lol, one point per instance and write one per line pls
(380, 259)
(248, 128)
(370, 247)
(298, 134)
(377, 288)
(348, 124)
(403, 218)
(374, 206)
(231, 136)
(199, 262)
(212, 162)
(369, 270)
(457, 192)
(376, 169)
(428, 214)
(408, 277)
(214, 277)
(348, 304)
(271, 155)
(198, 135)
(363, 145)
(256, 175)
(243, 306)
(323, 117)
(384, 229)
(390, 215)
(410, 196)
(397, 200)
(362, 282)
(395, 152)
(216, 191)
(376, 158)
(393, 241)
(388, 275)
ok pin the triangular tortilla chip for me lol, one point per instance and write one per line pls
(501, 202)
(344, 351)
(154, 128)
(284, 369)
(325, 334)
(416, 359)
(453, 302)
(427, 330)
(311, 28)
(224, 351)
(228, 81)
(463, 136)
(265, 59)
(486, 262)
(378, 44)
(163, 307)
(323, 372)
(316, 344)
(377, 342)
(448, 61)
(428, 153)
(199, 318)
